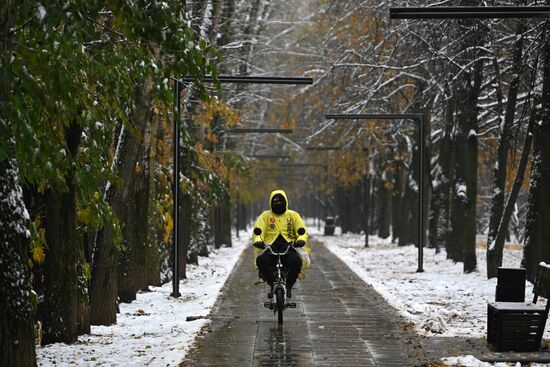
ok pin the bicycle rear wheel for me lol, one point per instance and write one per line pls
(280, 304)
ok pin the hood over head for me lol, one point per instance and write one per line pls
(280, 204)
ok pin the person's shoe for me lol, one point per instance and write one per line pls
(270, 294)
(289, 293)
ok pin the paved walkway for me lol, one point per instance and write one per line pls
(339, 321)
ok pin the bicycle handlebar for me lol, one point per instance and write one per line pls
(288, 246)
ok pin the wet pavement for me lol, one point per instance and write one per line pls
(338, 321)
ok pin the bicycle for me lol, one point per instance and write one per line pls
(278, 303)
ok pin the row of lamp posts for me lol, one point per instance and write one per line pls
(490, 12)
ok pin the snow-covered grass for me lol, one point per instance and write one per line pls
(440, 301)
(152, 330)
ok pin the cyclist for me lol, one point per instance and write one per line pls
(279, 227)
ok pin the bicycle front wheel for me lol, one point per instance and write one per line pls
(280, 303)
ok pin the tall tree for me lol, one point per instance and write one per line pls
(537, 230)
(16, 314)
(61, 295)
(497, 200)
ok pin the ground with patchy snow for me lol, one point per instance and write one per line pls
(441, 301)
(152, 330)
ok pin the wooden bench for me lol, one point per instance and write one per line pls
(519, 326)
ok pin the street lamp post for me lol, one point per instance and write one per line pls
(420, 119)
(178, 86)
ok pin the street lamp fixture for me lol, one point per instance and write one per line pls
(469, 12)
(251, 80)
(303, 165)
(258, 131)
(418, 118)
(270, 156)
(323, 148)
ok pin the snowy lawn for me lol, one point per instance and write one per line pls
(440, 301)
(152, 330)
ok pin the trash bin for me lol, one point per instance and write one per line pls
(510, 285)
(329, 226)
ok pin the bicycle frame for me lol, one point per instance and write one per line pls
(279, 280)
(279, 285)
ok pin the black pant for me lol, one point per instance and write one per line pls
(267, 262)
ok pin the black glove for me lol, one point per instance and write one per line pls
(259, 245)
(300, 243)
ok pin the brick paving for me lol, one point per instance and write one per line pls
(339, 321)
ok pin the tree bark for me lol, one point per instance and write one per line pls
(407, 233)
(396, 200)
(147, 259)
(104, 282)
(441, 199)
(464, 199)
(83, 310)
(16, 315)
(495, 250)
(537, 231)
(384, 214)
(186, 223)
(366, 205)
(61, 293)
(133, 212)
(497, 201)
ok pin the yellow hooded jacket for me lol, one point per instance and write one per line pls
(286, 224)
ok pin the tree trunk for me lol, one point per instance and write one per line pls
(147, 260)
(226, 220)
(112, 272)
(373, 205)
(441, 199)
(103, 285)
(249, 33)
(495, 250)
(366, 211)
(134, 214)
(407, 201)
(384, 213)
(17, 346)
(83, 311)
(497, 201)
(464, 198)
(537, 231)
(396, 201)
(61, 277)
(16, 315)
(185, 219)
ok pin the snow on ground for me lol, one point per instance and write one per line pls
(441, 301)
(152, 330)
(471, 361)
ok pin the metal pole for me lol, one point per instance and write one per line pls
(470, 12)
(175, 189)
(251, 80)
(421, 197)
